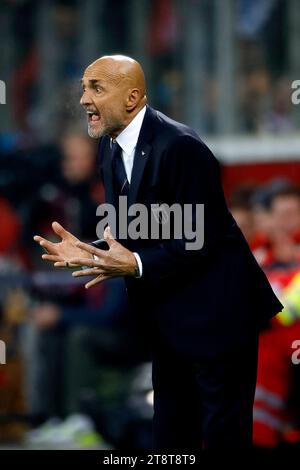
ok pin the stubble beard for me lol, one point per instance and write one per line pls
(95, 134)
(109, 128)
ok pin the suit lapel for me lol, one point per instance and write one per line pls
(142, 152)
(141, 156)
(140, 159)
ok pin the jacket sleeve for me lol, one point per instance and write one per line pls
(191, 176)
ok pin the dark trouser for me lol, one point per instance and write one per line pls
(204, 405)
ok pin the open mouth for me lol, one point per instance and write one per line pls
(93, 116)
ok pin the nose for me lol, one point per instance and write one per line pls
(85, 99)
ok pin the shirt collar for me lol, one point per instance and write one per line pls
(129, 136)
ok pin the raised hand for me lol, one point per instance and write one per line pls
(61, 252)
(115, 262)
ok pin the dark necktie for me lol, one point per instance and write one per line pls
(121, 184)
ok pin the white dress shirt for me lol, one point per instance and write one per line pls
(127, 141)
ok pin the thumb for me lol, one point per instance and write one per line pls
(108, 236)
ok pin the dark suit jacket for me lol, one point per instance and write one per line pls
(203, 302)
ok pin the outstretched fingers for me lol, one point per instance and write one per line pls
(97, 280)
(49, 246)
(51, 258)
(65, 264)
(86, 262)
(61, 231)
(87, 272)
(91, 249)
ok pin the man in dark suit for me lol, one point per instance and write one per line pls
(201, 309)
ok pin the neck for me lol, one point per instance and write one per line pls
(127, 121)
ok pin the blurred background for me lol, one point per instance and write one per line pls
(77, 375)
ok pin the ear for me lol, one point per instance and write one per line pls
(132, 99)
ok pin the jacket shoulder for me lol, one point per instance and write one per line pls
(174, 129)
(172, 133)
(180, 141)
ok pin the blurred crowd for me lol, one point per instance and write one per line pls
(269, 217)
(48, 44)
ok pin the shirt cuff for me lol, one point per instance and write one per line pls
(139, 263)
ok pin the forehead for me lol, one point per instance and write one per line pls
(103, 71)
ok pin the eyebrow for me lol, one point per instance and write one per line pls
(91, 81)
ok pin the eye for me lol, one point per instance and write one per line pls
(98, 89)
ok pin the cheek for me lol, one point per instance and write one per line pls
(110, 108)
(118, 104)
(104, 108)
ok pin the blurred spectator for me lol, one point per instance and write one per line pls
(279, 118)
(71, 197)
(276, 406)
(285, 208)
(81, 347)
(10, 227)
(276, 216)
(241, 209)
(270, 220)
(74, 196)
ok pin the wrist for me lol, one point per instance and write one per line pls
(134, 270)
